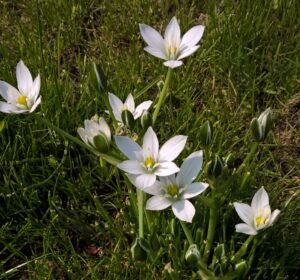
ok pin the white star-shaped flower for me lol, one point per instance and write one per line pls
(24, 100)
(149, 161)
(172, 47)
(257, 216)
(175, 191)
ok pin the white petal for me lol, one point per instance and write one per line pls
(35, 89)
(145, 180)
(184, 210)
(8, 92)
(187, 52)
(244, 228)
(193, 36)
(190, 168)
(105, 128)
(152, 38)
(150, 144)
(155, 189)
(173, 63)
(116, 105)
(37, 103)
(158, 203)
(172, 148)
(129, 102)
(91, 127)
(260, 199)
(131, 167)
(194, 189)
(142, 107)
(166, 169)
(128, 147)
(82, 133)
(172, 33)
(245, 212)
(9, 108)
(24, 78)
(160, 53)
(274, 217)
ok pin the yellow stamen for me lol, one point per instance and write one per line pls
(149, 162)
(22, 100)
(258, 220)
(172, 190)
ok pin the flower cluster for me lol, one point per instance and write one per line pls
(149, 166)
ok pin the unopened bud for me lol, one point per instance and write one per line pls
(128, 119)
(261, 126)
(192, 255)
(206, 133)
(139, 249)
(219, 251)
(101, 143)
(256, 130)
(98, 79)
(240, 267)
(215, 167)
(146, 119)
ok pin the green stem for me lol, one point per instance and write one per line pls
(211, 228)
(187, 232)
(205, 270)
(162, 95)
(140, 202)
(248, 157)
(241, 252)
(110, 159)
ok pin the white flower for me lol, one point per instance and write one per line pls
(24, 100)
(257, 216)
(176, 190)
(149, 161)
(172, 47)
(118, 106)
(96, 134)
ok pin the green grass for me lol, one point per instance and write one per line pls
(55, 199)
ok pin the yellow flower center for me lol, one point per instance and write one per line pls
(172, 190)
(172, 51)
(22, 100)
(149, 162)
(258, 220)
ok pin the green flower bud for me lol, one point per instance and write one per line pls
(256, 130)
(128, 119)
(146, 119)
(266, 121)
(139, 249)
(206, 133)
(261, 126)
(98, 79)
(219, 251)
(215, 167)
(240, 267)
(101, 143)
(192, 255)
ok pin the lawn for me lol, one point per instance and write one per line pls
(66, 213)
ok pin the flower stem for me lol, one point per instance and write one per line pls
(211, 228)
(110, 159)
(140, 202)
(162, 95)
(242, 250)
(248, 157)
(187, 232)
